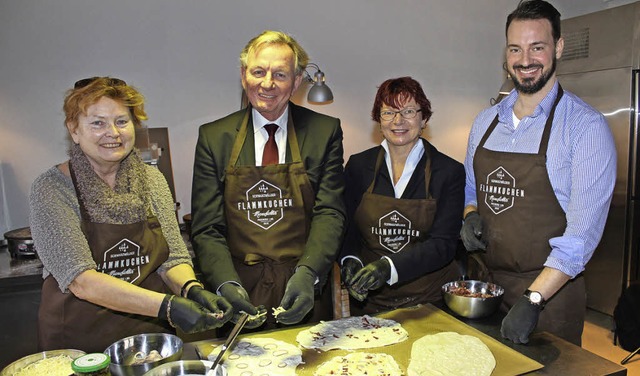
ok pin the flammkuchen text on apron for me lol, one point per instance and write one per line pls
(394, 231)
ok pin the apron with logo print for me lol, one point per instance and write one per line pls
(389, 225)
(521, 214)
(132, 253)
(268, 211)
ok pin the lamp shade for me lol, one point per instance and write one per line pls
(319, 92)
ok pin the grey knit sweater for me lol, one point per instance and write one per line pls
(55, 225)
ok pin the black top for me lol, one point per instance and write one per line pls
(446, 186)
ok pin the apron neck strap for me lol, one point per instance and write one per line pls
(242, 135)
(84, 214)
(293, 139)
(544, 143)
(546, 134)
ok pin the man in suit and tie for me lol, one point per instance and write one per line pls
(267, 210)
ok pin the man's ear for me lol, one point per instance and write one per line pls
(559, 47)
(243, 70)
(298, 81)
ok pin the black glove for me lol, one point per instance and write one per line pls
(520, 321)
(348, 271)
(298, 296)
(350, 267)
(371, 277)
(187, 315)
(214, 303)
(239, 299)
(472, 232)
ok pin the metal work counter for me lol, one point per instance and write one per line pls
(16, 273)
(20, 287)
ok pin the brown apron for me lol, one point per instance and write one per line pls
(521, 213)
(389, 225)
(268, 211)
(132, 253)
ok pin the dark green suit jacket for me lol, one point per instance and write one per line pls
(320, 140)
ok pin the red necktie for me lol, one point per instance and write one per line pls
(270, 153)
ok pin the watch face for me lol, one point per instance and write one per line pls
(535, 297)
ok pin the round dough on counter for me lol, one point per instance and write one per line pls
(260, 356)
(360, 363)
(358, 332)
(450, 354)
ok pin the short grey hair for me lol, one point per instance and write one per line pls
(269, 37)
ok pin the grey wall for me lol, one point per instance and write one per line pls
(182, 55)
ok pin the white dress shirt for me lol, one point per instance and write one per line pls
(261, 135)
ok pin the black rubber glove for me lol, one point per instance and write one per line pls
(348, 271)
(371, 277)
(520, 321)
(187, 315)
(214, 303)
(298, 296)
(350, 267)
(239, 299)
(472, 232)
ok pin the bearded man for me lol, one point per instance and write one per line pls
(540, 171)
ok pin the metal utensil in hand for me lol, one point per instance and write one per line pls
(227, 344)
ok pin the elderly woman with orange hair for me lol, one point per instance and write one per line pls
(404, 200)
(114, 261)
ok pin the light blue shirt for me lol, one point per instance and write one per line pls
(581, 163)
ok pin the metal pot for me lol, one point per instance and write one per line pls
(20, 243)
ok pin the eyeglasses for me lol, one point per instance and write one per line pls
(110, 81)
(407, 113)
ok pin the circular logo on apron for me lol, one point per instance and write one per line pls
(500, 190)
(394, 231)
(123, 261)
(264, 204)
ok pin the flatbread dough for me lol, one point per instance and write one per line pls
(450, 354)
(260, 356)
(358, 332)
(360, 363)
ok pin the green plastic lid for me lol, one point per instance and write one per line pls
(91, 363)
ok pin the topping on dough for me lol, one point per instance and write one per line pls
(450, 354)
(360, 363)
(260, 356)
(359, 332)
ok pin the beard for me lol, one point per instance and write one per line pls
(531, 85)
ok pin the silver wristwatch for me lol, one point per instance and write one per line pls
(535, 298)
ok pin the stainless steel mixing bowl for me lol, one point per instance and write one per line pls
(123, 352)
(473, 307)
(30, 359)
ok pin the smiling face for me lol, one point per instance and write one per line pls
(531, 55)
(270, 79)
(401, 132)
(105, 134)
